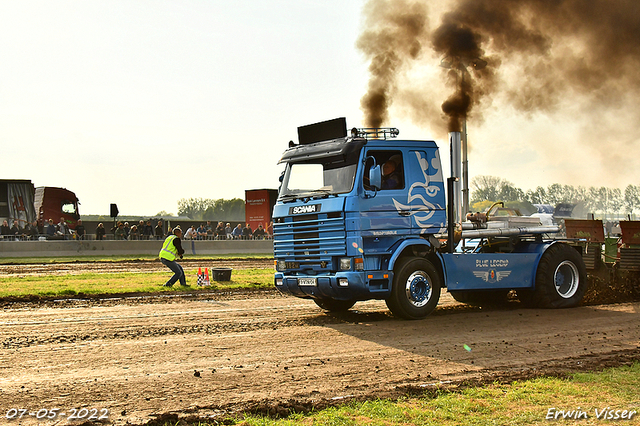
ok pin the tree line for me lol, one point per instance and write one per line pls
(211, 209)
(597, 200)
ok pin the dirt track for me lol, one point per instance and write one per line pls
(211, 355)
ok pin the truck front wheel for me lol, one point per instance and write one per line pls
(561, 279)
(333, 305)
(416, 289)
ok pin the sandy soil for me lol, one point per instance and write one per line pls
(212, 355)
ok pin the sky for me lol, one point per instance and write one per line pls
(144, 103)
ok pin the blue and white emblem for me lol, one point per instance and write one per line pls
(421, 200)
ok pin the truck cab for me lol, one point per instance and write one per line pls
(55, 203)
(364, 216)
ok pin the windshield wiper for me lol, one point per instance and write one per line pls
(289, 198)
(324, 193)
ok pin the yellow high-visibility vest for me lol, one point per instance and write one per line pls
(168, 250)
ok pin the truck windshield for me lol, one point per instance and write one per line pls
(312, 179)
(69, 207)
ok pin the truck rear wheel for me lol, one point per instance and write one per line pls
(416, 289)
(561, 279)
(333, 305)
(481, 297)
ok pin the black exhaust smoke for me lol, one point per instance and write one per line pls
(588, 50)
(394, 36)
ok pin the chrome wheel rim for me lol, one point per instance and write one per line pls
(418, 289)
(566, 279)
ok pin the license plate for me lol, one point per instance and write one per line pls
(306, 281)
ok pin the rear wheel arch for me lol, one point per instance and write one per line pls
(560, 279)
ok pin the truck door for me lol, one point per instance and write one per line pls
(424, 195)
(382, 223)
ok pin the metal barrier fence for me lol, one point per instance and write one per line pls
(94, 247)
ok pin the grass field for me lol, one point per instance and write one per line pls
(608, 397)
(121, 282)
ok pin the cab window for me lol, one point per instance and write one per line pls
(392, 168)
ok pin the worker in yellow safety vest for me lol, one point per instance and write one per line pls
(171, 250)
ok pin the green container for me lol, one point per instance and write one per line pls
(610, 250)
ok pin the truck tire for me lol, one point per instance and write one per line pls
(481, 297)
(561, 279)
(416, 289)
(333, 305)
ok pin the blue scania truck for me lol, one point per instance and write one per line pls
(365, 215)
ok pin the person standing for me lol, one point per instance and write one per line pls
(191, 233)
(63, 228)
(51, 229)
(170, 251)
(220, 232)
(247, 232)
(81, 232)
(259, 233)
(34, 233)
(134, 234)
(237, 232)
(120, 233)
(15, 229)
(100, 231)
(148, 230)
(159, 230)
(4, 229)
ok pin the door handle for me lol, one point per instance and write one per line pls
(404, 212)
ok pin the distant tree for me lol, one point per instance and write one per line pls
(631, 198)
(595, 199)
(492, 188)
(537, 196)
(603, 200)
(210, 209)
(486, 188)
(508, 192)
(615, 200)
(225, 210)
(192, 207)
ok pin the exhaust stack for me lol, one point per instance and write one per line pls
(455, 146)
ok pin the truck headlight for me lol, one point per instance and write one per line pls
(343, 282)
(345, 263)
(279, 281)
(281, 265)
(359, 264)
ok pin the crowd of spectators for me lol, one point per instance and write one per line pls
(122, 230)
(224, 231)
(138, 231)
(36, 231)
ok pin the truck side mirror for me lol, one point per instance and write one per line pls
(375, 177)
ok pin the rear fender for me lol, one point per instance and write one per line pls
(540, 249)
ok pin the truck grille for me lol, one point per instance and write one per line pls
(310, 240)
